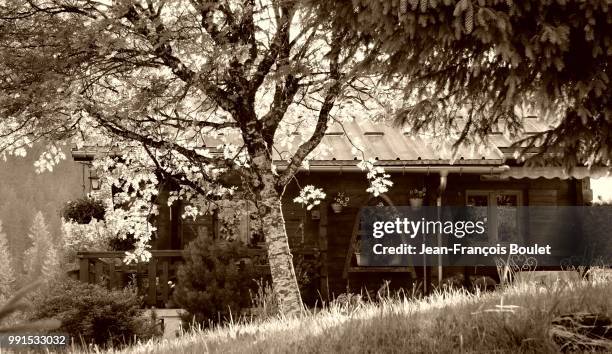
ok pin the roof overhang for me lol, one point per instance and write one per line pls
(422, 168)
(550, 172)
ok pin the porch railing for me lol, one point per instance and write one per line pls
(153, 280)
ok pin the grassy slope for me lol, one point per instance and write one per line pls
(512, 320)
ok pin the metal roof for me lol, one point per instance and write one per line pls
(389, 145)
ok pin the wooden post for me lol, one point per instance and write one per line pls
(98, 271)
(165, 288)
(111, 275)
(152, 293)
(322, 241)
(125, 278)
(84, 270)
(139, 279)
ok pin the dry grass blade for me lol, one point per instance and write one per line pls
(573, 341)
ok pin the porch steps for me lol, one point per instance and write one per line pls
(170, 321)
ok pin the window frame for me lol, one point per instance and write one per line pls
(492, 214)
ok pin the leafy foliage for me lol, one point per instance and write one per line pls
(213, 284)
(7, 275)
(93, 314)
(493, 62)
(94, 236)
(83, 210)
(157, 82)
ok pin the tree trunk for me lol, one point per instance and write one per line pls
(279, 255)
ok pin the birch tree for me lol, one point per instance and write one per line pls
(153, 81)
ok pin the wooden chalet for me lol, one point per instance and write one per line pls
(482, 176)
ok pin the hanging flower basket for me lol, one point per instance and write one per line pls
(416, 197)
(336, 207)
(340, 201)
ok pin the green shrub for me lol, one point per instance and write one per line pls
(307, 274)
(214, 282)
(91, 314)
(83, 210)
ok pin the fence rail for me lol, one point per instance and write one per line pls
(153, 279)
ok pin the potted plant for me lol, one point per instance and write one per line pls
(357, 250)
(416, 197)
(340, 201)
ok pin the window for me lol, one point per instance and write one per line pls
(500, 209)
(237, 219)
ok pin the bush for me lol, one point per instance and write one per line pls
(93, 314)
(83, 210)
(214, 282)
(307, 274)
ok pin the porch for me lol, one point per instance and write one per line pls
(154, 280)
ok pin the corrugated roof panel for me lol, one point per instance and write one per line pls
(367, 126)
(398, 146)
(341, 148)
(423, 148)
(286, 152)
(390, 143)
(378, 147)
(499, 140)
(534, 125)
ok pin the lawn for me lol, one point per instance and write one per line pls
(513, 319)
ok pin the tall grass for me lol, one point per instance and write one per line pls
(515, 318)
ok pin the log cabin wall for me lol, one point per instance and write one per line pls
(305, 229)
(338, 227)
(329, 233)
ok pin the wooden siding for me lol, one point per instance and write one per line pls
(336, 228)
(328, 233)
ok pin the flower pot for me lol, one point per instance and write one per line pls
(416, 203)
(362, 261)
(358, 258)
(336, 207)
